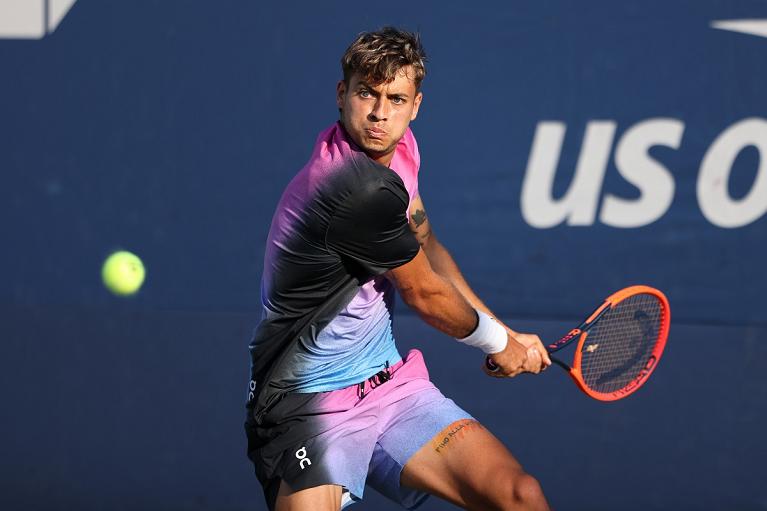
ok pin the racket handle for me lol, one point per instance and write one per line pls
(490, 364)
(492, 367)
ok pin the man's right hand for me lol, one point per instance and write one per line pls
(524, 353)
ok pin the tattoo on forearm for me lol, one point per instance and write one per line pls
(419, 217)
(451, 434)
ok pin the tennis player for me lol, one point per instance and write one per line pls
(332, 404)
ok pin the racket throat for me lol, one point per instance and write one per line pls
(561, 364)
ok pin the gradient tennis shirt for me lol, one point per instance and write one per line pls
(326, 308)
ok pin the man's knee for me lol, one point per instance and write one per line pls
(527, 489)
(523, 492)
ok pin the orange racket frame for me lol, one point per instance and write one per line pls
(582, 333)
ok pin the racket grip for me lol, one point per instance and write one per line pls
(490, 364)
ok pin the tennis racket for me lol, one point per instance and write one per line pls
(619, 344)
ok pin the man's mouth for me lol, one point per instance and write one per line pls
(374, 132)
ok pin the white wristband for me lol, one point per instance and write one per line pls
(489, 336)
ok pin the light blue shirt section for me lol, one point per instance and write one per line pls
(354, 346)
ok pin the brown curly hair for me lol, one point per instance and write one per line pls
(378, 56)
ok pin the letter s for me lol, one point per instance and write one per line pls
(655, 182)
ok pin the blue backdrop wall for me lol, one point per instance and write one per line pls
(568, 150)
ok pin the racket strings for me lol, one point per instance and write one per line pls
(618, 347)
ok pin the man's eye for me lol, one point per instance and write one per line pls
(364, 94)
(398, 101)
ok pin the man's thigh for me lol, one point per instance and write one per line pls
(318, 498)
(413, 411)
(467, 465)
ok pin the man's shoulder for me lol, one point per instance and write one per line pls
(373, 178)
(361, 174)
(338, 168)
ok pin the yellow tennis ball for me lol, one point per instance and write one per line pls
(123, 273)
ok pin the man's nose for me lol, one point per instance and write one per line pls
(380, 111)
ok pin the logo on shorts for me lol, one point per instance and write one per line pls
(301, 455)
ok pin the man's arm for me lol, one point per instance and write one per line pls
(439, 258)
(433, 297)
(442, 306)
(444, 265)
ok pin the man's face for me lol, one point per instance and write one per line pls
(376, 117)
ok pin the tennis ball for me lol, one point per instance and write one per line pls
(123, 273)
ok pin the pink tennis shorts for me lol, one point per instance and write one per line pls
(352, 436)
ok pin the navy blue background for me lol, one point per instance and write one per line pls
(170, 128)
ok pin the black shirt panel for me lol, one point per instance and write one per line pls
(326, 240)
(370, 231)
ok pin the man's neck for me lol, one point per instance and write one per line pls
(384, 160)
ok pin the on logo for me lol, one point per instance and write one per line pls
(31, 19)
(301, 455)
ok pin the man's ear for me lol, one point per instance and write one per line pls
(340, 93)
(416, 105)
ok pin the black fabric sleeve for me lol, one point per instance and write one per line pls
(370, 231)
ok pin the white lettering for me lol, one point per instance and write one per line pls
(301, 455)
(713, 197)
(655, 182)
(25, 19)
(578, 206)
